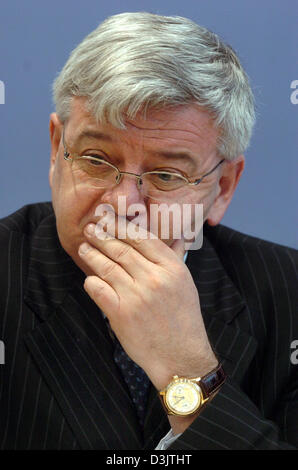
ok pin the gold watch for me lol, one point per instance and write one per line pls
(184, 396)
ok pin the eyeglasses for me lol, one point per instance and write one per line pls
(96, 172)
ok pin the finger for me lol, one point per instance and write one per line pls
(143, 241)
(124, 254)
(103, 295)
(178, 247)
(105, 268)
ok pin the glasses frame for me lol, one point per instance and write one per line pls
(67, 156)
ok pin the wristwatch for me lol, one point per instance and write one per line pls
(184, 396)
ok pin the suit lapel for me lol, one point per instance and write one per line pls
(72, 347)
(73, 350)
(224, 311)
(225, 315)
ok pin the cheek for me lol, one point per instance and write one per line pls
(208, 199)
(74, 208)
(174, 221)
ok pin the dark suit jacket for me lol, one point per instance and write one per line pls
(60, 388)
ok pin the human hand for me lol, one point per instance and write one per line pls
(147, 292)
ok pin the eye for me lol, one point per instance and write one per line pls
(93, 165)
(166, 176)
(94, 160)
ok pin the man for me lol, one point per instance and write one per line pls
(136, 342)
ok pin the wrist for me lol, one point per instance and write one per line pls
(161, 376)
(186, 397)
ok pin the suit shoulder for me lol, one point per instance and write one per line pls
(253, 260)
(224, 238)
(25, 220)
(16, 234)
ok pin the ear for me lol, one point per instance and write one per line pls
(231, 173)
(55, 128)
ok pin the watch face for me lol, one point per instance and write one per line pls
(183, 397)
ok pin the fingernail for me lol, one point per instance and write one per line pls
(84, 248)
(90, 229)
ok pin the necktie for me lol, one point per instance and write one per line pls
(135, 378)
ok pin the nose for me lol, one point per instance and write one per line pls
(125, 197)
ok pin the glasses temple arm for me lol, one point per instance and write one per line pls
(209, 172)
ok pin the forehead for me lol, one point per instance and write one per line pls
(187, 126)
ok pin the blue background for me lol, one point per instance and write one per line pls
(36, 38)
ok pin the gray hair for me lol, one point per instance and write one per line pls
(135, 61)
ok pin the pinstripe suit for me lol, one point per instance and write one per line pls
(60, 388)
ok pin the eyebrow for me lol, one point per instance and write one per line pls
(175, 155)
(92, 134)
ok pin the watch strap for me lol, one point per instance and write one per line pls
(211, 382)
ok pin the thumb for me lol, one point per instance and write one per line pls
(178, 246)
